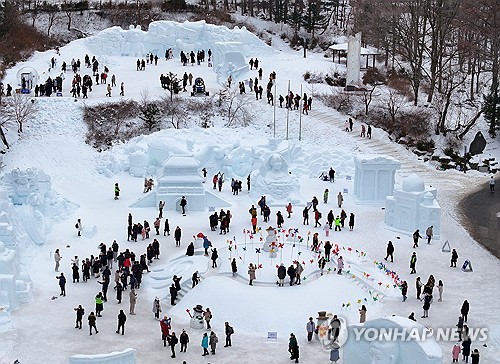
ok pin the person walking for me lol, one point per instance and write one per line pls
(390, 251)
(122, 89)
(234, 267)
(57, 259)
(310, 327)
(80, 311)
(214, 257)
(62, 284)
(351, 222)
(92, 319)
(340, 199)
(440, 290)
(204, 344)
(455, 352)
(418, 286)
(281, 275)
(117, 191)
(454, 259)
(156, 308)
(475, 356)
(79, 226)
(293, 348)
(416, 236)
(429, 233)
(122, 318)
(427, 304)
(404, 290)
(183, 205)
(173, 294)
(157, 225)
(289, 209)
(228, 330)
(207, 316)
(166, 230)
(413, 263)
(251, 273)
(492, 185)
(331, 175)
(99, 304)
(133, 301)
(184, 340)
(161, 206)
(362, 314)
(465, 310)
(172, 341)
(177, 236)
(466, 349)
(325, 195)
(213, 342)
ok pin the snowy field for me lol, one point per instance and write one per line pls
(42, 331)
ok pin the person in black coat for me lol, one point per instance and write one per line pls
(466, 349)
(291, 273)
(177, 282)
(281, 275)
(427, 304)
(121, 322)
(79, 315)
(172, 341)
(173, 294)
(390, 251)
(184, 340)
(119, 292)
(234, 267)
(62, 284)
(214, 257)
(328, 248)
(454, 258)
(404, 290)
(177, 236)
(190, 250)
(465, 310)
(279, 219)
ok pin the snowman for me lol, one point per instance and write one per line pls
(270, 242)
(196, 318)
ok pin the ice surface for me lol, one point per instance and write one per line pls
(126, 356)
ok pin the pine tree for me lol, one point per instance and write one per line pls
(150, 114)
(315, 17)
(491, 112)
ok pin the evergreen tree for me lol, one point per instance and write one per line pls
(491, 111)
(150, 114)
(315, 17)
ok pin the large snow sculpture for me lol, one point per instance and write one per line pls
(353, 62)
(181, 177)
(275, 182)
(413, 206)
(369, 348)
(27, 77)
(374, 178)
(229, 46)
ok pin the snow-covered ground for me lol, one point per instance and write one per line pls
(43, 330)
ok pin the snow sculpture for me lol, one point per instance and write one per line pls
(230, 61)
(383, 351)
(197, 321)
(275, 182)
(181, 177)
(413, 206)
(229, 46)
(374, 178)
(30, 77)
(270, 243)
(353, 62)
(133, 43)
(139, 162)
(126, 356)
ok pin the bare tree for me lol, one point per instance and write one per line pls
(18, 108)
(395, 101)
(67, 6)
(236, 107)
(53, 15)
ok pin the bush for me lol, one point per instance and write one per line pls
(426, 145)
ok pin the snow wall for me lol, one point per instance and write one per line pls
(229, 46)
(126, 356)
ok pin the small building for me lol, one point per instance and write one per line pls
(413, 206)
(339, 51)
